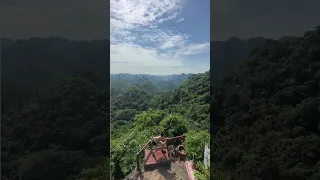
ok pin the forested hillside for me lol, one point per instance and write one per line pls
(55, 109)
(266, 116)
(138, 115)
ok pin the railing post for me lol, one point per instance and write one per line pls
(138, 161)
(150, 144)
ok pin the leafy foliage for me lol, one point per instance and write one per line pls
(202, 172)
(173, 125)
(100, 172)
(266, 114)
(195, 142)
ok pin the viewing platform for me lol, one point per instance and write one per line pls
(161, 165)
(157, 159)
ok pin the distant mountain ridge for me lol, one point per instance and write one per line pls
(151, 83)
(174, 77)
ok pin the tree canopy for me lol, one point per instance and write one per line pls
(266, 115)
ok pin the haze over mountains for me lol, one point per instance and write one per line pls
(152, 83)
(226, 56)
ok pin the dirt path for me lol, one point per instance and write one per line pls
(177, 171)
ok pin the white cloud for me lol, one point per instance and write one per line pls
(139, 44)
(175, 15)
(142, 13)
(162, 37)
(141, 56)
(193, 49)
(180, 20)
(173, 41)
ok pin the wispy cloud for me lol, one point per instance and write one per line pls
(174, 41)
(193, 49)
(136, 36)
(180, 20)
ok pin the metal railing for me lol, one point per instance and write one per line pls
(139, 152)
(170, 141)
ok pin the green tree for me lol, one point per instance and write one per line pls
(173, 125)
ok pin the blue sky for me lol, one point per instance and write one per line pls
(159, 36)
